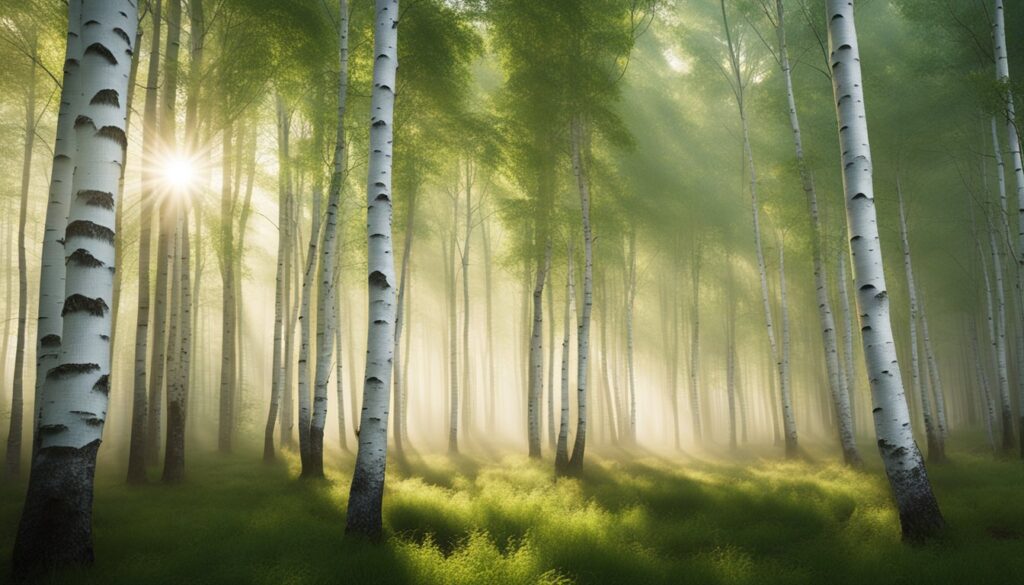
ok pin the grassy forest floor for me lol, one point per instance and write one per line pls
(636, 518)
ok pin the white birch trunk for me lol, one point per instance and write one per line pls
(999, 343)
(453, 339)
(934, 438)
(277, 366)
(178, 386)
(326, 322)
(580, 152)
(55, 526)
(52, 270)
(226, 406)
(918, 510)
(536, 365)
(840, 391)
(308, 282)
(562, 445)
(849, 376)
(467, 401)
(788, 418)
(1013, 144)
(364, 505)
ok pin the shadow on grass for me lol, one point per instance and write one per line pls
(631, 517)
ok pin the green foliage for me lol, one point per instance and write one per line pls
(646, 520)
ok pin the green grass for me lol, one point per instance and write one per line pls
(643, 519)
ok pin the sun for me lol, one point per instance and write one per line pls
(178, 172)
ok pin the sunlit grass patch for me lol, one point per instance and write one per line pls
(626, 520)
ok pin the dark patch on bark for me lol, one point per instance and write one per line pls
(82, 121)
(65, 370)
(52, 429)
(97, 198)
(87, 229)
(123, 35)
(56, 523)
(82, 257)
(77, 303)
(377, 278)
(105, 97)
(103, 384)
(50, 340)
(113, 133)
(100, 50)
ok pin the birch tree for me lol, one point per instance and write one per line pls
(277, 370)
(1014, 150)
(934, 438)
(364, 504)
(329, 247)
(919, 513)
(578, 144)
(52, 269)
(13, 453)
(56, 523)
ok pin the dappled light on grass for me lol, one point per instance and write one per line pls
(463, 521)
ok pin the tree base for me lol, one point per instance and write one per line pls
(56, 523)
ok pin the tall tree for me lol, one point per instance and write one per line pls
(367, 491)
(918, 510)
(326, 321)
(13, 453)
(936, 447)
(56, 523)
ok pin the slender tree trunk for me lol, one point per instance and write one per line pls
(308, 282)
(467, 397)
(293, 293)
(174, 388)
(1014, 148)
(178, 386)
(326, 321)
(277, 370)
(580, 146)
(552, 439)
(562, 446)
(698, 433)
(610, 407)
(226, 411)
(453, 339)
(918, 510)
(825, 316)
(488, 276)
(139, 426)
(399, 379)
(339, 380)
(788, 418)
(730, 350)
(630, 305)
(850, 376)
(364, 504)
(56, 522)
(13, 454)
(934, 438)
(536, 366)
